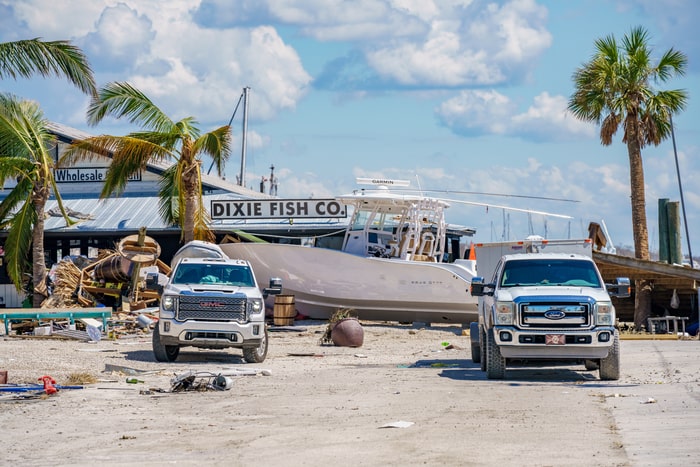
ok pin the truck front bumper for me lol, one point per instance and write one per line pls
(554, 343)
(211, 335)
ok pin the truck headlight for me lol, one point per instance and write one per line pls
(504, 313)
(605, 314)
(167, 303)
(256, 306)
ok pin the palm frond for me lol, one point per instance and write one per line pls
(168, 193)
(19, 239)
(217, 145)
(25, 58)
(122, 100)
(18, 195)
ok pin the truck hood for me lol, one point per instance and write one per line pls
(211, 289)
(511, 293)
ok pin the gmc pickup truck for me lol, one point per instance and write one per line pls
(212, 301)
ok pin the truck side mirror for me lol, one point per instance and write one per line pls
(275, 287)
(477, 287)
(152, 282)
(620, 288)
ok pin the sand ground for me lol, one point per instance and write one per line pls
(409, 396)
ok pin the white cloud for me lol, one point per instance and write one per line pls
(479, 111)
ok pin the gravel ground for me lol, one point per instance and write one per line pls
(408, 396)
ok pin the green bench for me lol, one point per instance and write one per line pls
(18, 314)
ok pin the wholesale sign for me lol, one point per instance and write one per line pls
(277, 209)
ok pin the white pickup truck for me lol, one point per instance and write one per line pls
(544, 300)
(212, 301)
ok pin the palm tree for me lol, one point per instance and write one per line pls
(161, 140)
(59, 58)
(25, 144)
(616, 87)
(24, 156)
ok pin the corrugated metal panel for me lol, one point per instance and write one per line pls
(112, 214)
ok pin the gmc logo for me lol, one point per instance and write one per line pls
(211, 304)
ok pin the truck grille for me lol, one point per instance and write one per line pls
(212, 308)
(555, 314)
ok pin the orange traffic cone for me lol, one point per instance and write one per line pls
(472, 251)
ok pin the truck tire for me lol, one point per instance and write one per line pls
(482, 347)
(475, 344)
(163, 353)
(610, 365)
(495, 362)
(256, 354)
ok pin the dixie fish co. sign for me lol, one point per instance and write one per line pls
(277, 209)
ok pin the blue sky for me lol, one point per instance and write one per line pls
(452, 95)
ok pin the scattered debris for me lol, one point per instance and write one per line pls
(399, 424)
(109, 368)
(81, 378)
(650, 400)
(200, 381)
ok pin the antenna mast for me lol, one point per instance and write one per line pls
(241, 178)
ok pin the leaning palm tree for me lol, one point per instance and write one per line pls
(161, 139)
(29, 57)
(616, 87)
(25, 144)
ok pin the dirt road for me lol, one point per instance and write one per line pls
(408, 396)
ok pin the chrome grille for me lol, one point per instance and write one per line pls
(554, 315)
(232, 308)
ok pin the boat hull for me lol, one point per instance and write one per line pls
(324, 281)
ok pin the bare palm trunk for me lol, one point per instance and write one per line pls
(190, 182)
(39, 266)
(643, 287)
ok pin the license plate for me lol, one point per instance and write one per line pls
(555, 339)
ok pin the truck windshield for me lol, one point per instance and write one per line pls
(214, 274)
(549, 273)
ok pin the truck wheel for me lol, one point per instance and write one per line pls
(591, 365)
(163, 353)
(482, 347)
(474, 339)
(495, 363)
(610, 365)
(257, 354)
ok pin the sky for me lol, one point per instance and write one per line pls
(453, 95)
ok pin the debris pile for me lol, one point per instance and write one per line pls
(116, 280)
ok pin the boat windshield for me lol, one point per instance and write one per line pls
(549, 272)
(214, 274)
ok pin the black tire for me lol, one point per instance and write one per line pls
(591, 365)
(257, 354)
(163, 353)
(610, 365)
(495, 362)
(475, 344)
(482, 347)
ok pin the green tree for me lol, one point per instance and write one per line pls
(161, 139)
(24, 152)
(25, 144)
(616, 87)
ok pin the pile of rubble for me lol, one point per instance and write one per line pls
(115, 280)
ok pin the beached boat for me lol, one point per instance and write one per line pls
(399, 261)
